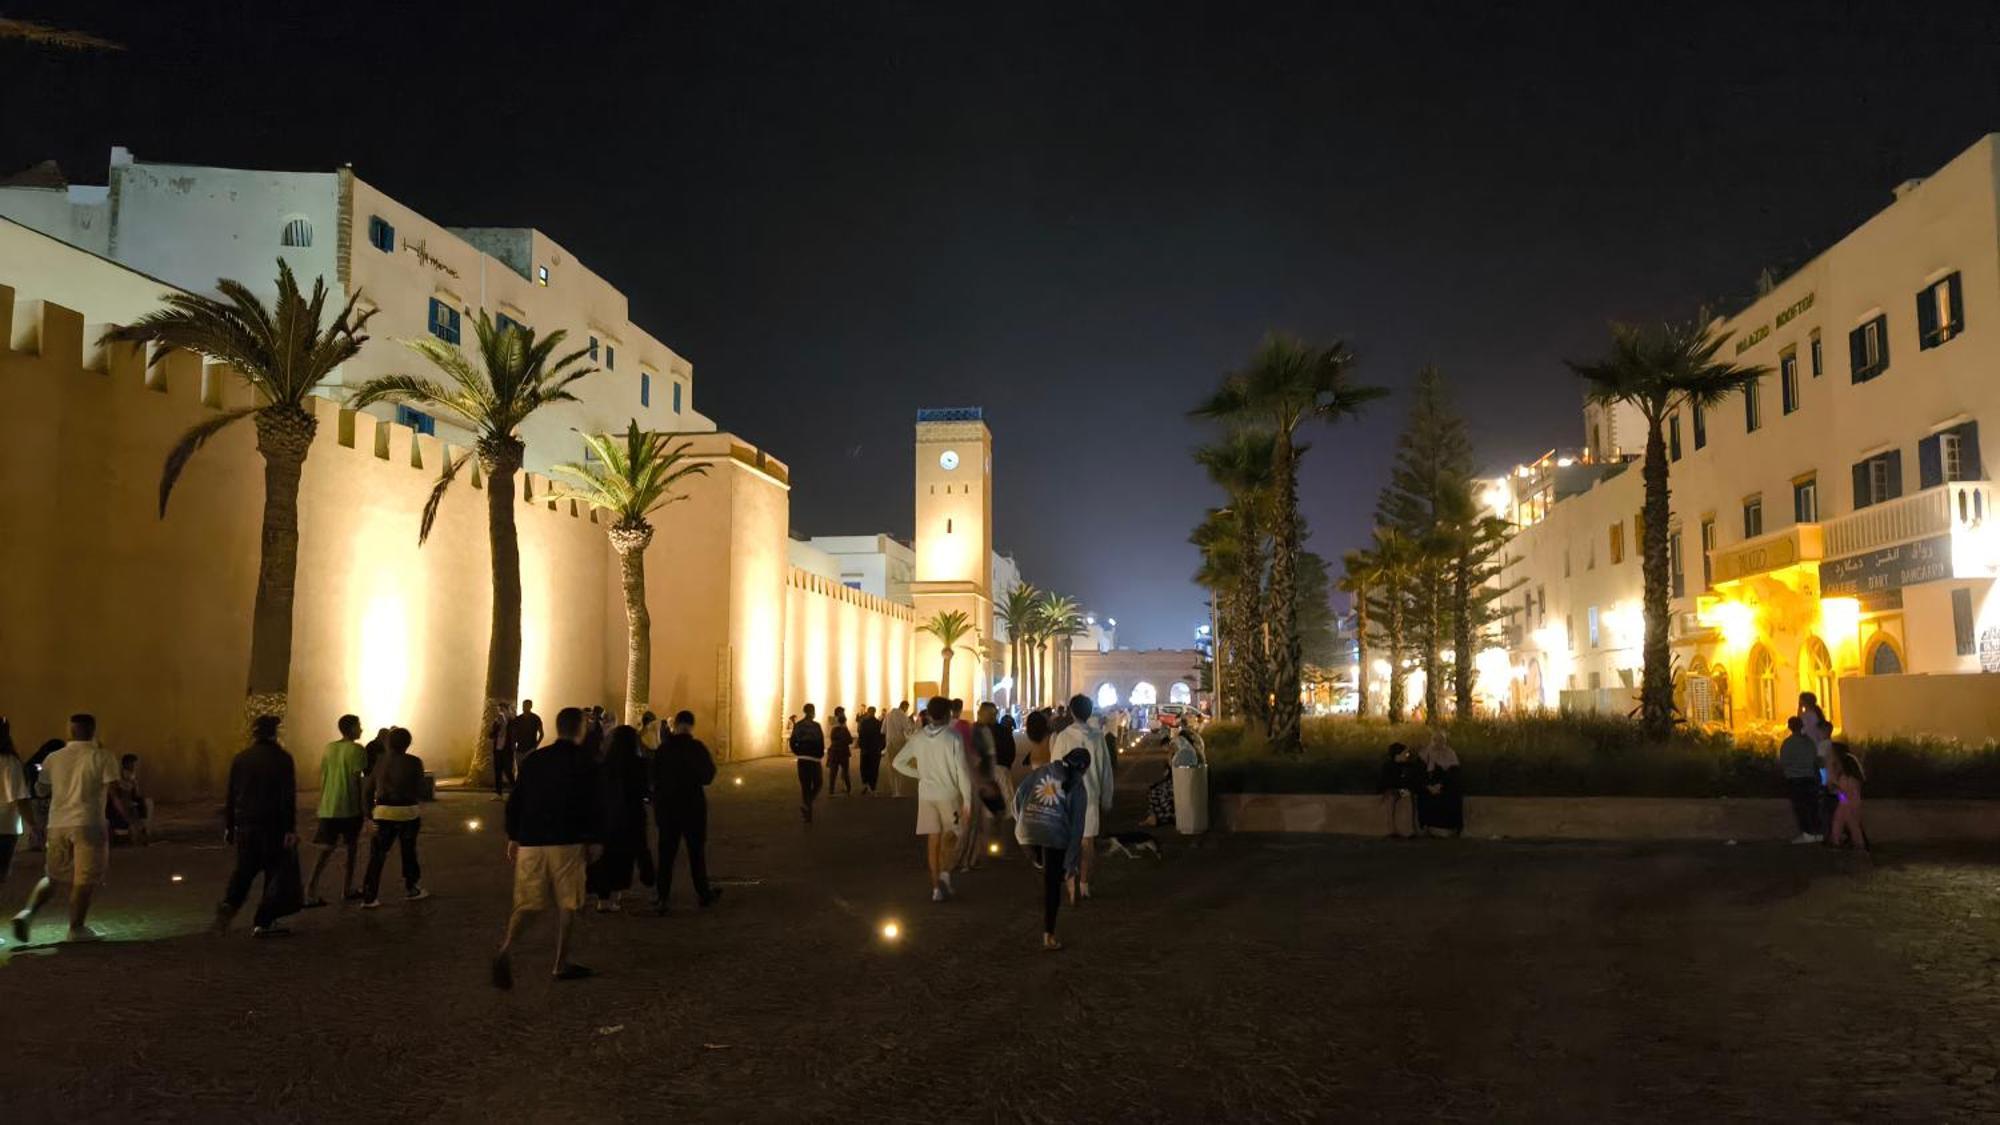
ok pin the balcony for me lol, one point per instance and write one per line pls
(1941, 532)
(1961, 506)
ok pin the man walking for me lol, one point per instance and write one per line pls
(553, 829)
(500, 740)
(77, 780)
(524, 734)
(869, 738)
(260, 818)
(392, 791)
(896, 731)
(808, 745)
(936, 758)
(1798, 760)
(682, 770)
(341, 769)
(1084, 734)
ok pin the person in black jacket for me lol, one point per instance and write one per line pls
(682, 770)
(871, 739)
(553, 833)
(622, 785)
(261, 819)
(393, 793)
(808, 745)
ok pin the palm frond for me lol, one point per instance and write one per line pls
(437, 496)
(191, 441)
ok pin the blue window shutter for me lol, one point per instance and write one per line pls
(1927, 325)
(1860, 485)
(1895, 459)
(1930, 463)
(1957, 302)
(645, 389)
(677, 398)
(1882, 340)
(1857, 357)
(1968, 450)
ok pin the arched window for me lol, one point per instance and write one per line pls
(298, 232)
(1816, 675)
(1107, 696)
(1144, 694)
(1180, 692)
(1883, 659)
(1763, 686)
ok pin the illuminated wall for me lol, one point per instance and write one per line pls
(843, 647)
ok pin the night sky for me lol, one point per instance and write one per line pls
(1075, 215)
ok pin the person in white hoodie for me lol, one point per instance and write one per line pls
(936, 758)
(1085, 734)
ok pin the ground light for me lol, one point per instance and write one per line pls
(472, 825)
(891, 931)
(176, 878)
(739, 780)
(993, 849)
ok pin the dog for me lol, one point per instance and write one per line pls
(1130, 844)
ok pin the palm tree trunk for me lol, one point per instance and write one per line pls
(1285, 736)
(1463, 670)
(1432, 627)
(1361, 651)
(1656, 691)
(284, 436)
(1396, 685)
(631, 543)
(501, 460)
(944, 675)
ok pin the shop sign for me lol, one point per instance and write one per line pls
(1989, 649)
(1786, 315)
(1891, 568)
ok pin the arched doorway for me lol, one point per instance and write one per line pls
(1762, 687)
(1816, 676)
(1107, 696)
(1144, 694)
(1181, 692)
(1883, 658)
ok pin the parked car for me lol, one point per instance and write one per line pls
(1171, 714)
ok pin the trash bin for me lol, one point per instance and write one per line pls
(1190, 794)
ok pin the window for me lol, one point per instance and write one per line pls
(298, 232)
(645, 389)
(1868, 350)
(1617, 542)
(1707, 545)
(1940, 313)
(1700, 427)
(1753, 407)
(677, 397)
(1542, 602)
(1949, 455)
(505, 322)
(1884, 660)
(1961, 621)
(1674, 564)
(416, 420)
(1590, 554)
(1805, 500)
(1818, 355)
(1674, 436)
(1569, 631)
(542, 276)
(1878, 479)
(610, 357)
(1565, 560)
(381, 235)
(444, 322)
(1753, 517)
(1590, 615)
(593, 349)
(1788, 380)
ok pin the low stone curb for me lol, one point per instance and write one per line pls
(1609, 818)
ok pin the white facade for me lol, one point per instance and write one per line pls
(874, 564)
(190, 225)
(1834, 522)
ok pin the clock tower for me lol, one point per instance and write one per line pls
(954, 545)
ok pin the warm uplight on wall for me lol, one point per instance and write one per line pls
(1840, 619)
(381, 658)
(1737, 621)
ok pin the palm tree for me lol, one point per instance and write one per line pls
(1287, 384)
(632, 479)
(1657, 370)
(1221, 570)
(1244, 464)
(1061, 618)
(1396, 563)
(283, 352)
(949, 626)
(1017, 613)
(1359, 583)
(517, 374)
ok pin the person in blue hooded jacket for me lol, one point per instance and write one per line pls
(1050, 804)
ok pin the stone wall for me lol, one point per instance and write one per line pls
(844, 648)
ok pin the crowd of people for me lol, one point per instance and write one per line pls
(1823, 780)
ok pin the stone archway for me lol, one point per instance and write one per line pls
(1107, 696)
(1180, 692)
(1144, 694)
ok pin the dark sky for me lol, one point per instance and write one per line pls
(1077, 215)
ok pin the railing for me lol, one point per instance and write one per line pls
(1960, 505)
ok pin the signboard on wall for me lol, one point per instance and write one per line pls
(1989, 649)
(1891, 568)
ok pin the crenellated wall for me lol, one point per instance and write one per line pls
(843, 648)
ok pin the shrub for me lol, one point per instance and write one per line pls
(1583, 755)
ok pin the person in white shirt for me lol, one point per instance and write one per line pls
(77, 779)
(1084, 734)
(936, 758)
(896, 731)
(17, 802)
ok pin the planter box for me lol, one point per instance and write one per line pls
(1608, 818)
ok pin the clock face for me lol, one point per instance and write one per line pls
(948, 460)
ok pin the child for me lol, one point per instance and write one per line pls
(1846, 827)
(129, 827)
(1398, 782)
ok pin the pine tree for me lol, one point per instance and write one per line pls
(1433, 466)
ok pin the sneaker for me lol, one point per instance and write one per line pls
(372, 904)
(503, 972)
(417, 894)
(20, 927)
(275, 929)
(1804, 838)
(573, 972)
(949, 890)
(83, 934)
(937, 894)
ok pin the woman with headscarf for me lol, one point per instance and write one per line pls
(621, 788)
(1052, 800)
(1440, 802)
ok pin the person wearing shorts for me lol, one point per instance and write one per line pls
(1085, 735)
(78, 780)
(554, 825)
(936, 758)
(341, 769)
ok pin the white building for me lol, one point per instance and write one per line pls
(1830, 528)
(191, 225)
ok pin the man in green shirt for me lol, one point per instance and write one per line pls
(340, 772)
